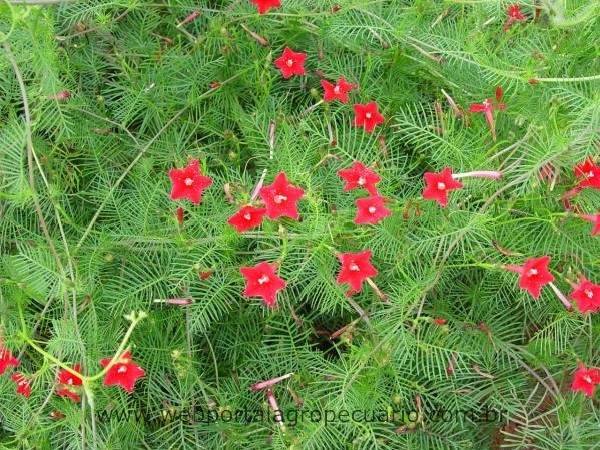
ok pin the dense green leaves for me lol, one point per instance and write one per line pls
(148, 94)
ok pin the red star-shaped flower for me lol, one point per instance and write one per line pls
(514, 13)
(188, 182)
(338, 91)
(67, 380)
(585, 380)
(281, 198)
(264, 5)
(535, 274)
(371, 210)
(23, 386)
(360, 176)
(262, 281)
(6, 359)
(590, 173)
(487, 108)
(367, 116)
(124, 372)
(438, 185)
(595, 219)
(586, 295)
(291, 63)
(356, 268)
(246, 218)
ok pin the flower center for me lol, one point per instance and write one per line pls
(70, 381)
(587, 378)
(279, 198)
(441, 186)
(591, 174)
(188, 181)
(589, 293)
(361, 181)
(372, 209)
(353, 267)
(532, 272)
(122, 369)
(368, 115)
(337, 90)
(289, 62)
(262, 280)
(247, 216)
(487, 103)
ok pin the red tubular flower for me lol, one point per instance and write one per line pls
(487, 108)
(439, 321)
(270, 382)
(586, 295)
(61, 96)
(371, 210)
(67, 380)
(23, 385)
(438, 185)
(123, 372)
(595, 219)
(338, 91)
(246, 218)
(180, 216)
(514, 13)
(585, 380)
(281, 198)
(590, 173)
(356, 268)
(291, 63)
(367, 116)
(262, 281)
(7, 359)
(188, 182)
(360, 176)
(264, 5)
(534, 274)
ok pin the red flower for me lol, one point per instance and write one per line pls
(439, 321)
(188, 182)
(339, 91)
(586, 295)
(123, 372)
(487, 107)
(595, 219)
(180, 216)
(281, 197)
(206, 274)
(585, 380)
(67, 380)
(23, 386)
(360, 176)
(356, 268)
(291, 63)
(6, 359)
(438, 185)
(262, 281)
(264, 5)
(371, 210)
(246, 218)
(514, 13)
(590, 173)
(534, 275)
(367, 116)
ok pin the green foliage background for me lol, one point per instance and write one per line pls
(142, 103)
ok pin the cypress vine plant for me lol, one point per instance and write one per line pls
(299, 224)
